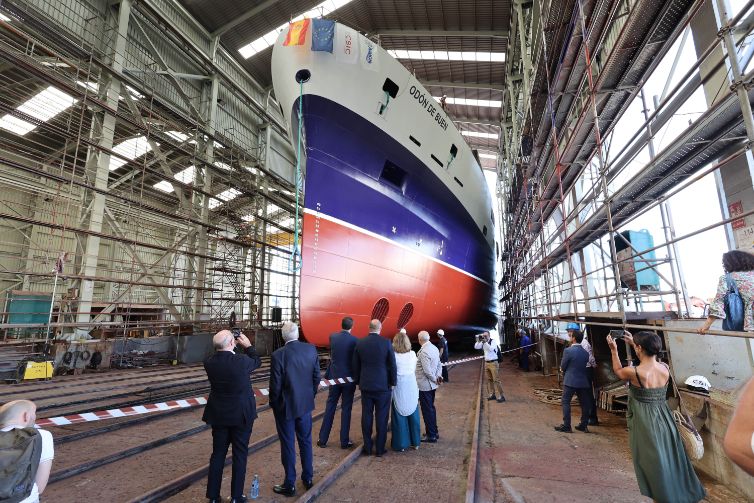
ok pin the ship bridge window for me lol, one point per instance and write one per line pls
(391, 88)
(393, 175)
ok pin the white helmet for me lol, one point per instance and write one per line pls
(698, 383)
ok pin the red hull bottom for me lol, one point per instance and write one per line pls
(346, 271)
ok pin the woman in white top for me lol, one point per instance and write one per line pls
(405, 404)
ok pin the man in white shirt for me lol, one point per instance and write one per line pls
(489, 345)
(428, 376)
(22, 414)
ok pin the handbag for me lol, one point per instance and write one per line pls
(734, 306)
(692, 440)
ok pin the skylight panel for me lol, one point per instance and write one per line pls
(268, 39)
(470, 102)
(248, 218)
(164, 186)
(43, 106)
(221, 165)
(476, 134)
(484, 57)
(187, 175)
(487, 156)
(224, 196)
(16, 125)
(131, 149)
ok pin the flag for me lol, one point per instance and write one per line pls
(297, 32)
(323, 32)
(369, 59)
(346, 45)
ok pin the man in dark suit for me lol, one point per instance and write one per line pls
(375, 372)
(230, 410)
(575, 382)
(342, 345)
(294, 380)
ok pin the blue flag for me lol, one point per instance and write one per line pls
(323, 32)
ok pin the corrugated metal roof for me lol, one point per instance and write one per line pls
(372, 17)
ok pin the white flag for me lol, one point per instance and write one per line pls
(346, 44)
(369, 56)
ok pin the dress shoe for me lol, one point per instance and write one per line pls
(284, 490)
(563, 429)
(347, 446)
(431, 440)
(491, 397)
(583, 428)
(308, 484)
(501, 399)
(365, 452)
(321, 444)
(240, 499)
(594, 422)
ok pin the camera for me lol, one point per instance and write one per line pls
(616, 334)
(236, 332)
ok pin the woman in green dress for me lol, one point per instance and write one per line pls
(663, 469)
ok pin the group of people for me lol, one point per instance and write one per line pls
(393, 380)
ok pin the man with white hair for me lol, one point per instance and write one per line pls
(376, 373)
(428, 377)
(25, 476)
(294, 380)
(231, 410)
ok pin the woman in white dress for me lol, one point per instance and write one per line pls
(405, 404)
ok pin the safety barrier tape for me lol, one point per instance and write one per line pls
(136, 410)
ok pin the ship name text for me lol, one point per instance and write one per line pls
(430, 105)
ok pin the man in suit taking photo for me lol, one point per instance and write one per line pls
(342, 345)
(294, 380)
(231, 410)
(375, 372)
(575, 382)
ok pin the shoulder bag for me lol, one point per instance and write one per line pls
(692, 440)
(734, 306)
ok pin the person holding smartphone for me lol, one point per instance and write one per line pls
(663, 469)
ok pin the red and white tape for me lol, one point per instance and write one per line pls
(136, 410)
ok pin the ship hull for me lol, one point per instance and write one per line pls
(410, 256)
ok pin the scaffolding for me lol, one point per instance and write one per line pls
(135, 173)
(587, 154)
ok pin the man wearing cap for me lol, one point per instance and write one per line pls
(590, 366)
(443, 346)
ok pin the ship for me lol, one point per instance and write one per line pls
(397, 216)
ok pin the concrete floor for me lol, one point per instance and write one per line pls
(522, 458)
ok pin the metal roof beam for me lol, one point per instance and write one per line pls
(243, 17)
(462, 85)
(444, 33)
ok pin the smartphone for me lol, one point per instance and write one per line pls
(236, 332)
(616, 334)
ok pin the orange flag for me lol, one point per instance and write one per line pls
(297, 32)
